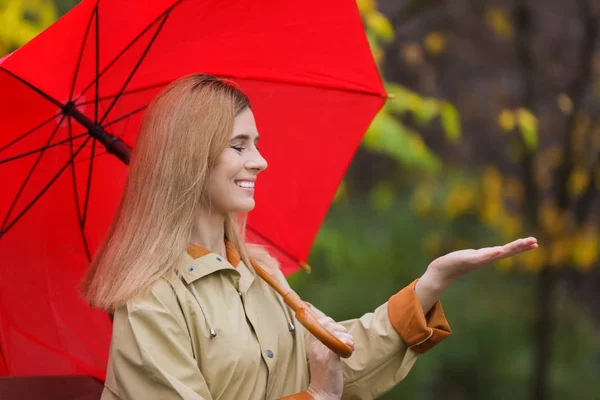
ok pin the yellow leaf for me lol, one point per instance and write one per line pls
(341, 193)
(578, 181)
(460, 199)
(450, 121)
(585, 250)
(499, 22)
(435, 42)
(506, 120)
(565, 103)
(528, 124)
(533, 260)
(366, 6)
(379, 24)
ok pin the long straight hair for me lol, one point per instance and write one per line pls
(182, 134)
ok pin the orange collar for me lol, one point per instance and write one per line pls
(233, 256)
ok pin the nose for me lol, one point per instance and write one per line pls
(257, 162)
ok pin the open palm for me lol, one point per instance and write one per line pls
(458, 263)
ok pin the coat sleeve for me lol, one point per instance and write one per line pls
(151, 355)
(387, 343)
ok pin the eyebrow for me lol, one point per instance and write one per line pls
(244, 136)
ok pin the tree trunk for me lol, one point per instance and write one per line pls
(543, 333)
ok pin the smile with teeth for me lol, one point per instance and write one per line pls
(245, 184)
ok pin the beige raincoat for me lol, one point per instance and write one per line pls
(221, 332)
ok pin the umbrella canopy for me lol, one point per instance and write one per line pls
(314, 87)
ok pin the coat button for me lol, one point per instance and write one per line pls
(269, 354)
(191, 269)
(219, 259)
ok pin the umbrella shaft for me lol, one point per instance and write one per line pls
(113, 144)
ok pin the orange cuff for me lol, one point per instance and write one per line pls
(418, 331)
(298, 396)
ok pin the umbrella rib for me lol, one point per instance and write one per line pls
(87, 31)
(97, 64)
(118, 56)
(35, 89)
(23, 136)
(89, 184)
(75, 192)
(158, 30)
(125, 93)
(5, 230)
(4, 161)
(35, 164)
(73, 172)
(122, 117)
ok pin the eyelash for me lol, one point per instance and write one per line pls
(242, 148)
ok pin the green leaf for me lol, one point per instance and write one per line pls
(426, 110)
(388, 136)
(450, 121)
(378, 23)
(382, 197)
(528, 124)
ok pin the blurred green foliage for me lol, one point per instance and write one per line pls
(375, 242)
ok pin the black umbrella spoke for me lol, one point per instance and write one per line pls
(39, 195)
(29, 132)
(123, 94)
(73, 172)
(87, 31)
(76, 193)
(122, 117)
(35, 89)
(97, 64)
(134, 41)
(43, 148)
(31, 171)
(137, 65)
(89, 185)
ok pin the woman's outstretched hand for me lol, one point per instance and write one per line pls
(446, 269)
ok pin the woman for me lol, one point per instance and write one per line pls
(191, 318)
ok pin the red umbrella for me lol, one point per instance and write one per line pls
(75, 94)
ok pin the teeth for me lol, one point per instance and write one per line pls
(245, 184)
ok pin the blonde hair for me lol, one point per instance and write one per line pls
(182, 133)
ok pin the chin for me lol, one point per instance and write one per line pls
(245, 207)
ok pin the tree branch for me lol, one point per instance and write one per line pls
(576, 93)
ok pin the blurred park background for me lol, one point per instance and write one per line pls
(493, 134)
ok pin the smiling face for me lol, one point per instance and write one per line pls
(231, 182)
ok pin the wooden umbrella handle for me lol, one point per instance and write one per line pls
(304, 315)
(309, 320)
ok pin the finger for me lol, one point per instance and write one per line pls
(346, 338)
(508, 250)
(332, 326)
(338, 328)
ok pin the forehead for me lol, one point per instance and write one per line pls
(245, 124)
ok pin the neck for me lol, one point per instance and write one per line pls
(209, 231)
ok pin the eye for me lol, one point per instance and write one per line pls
(238, 148)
